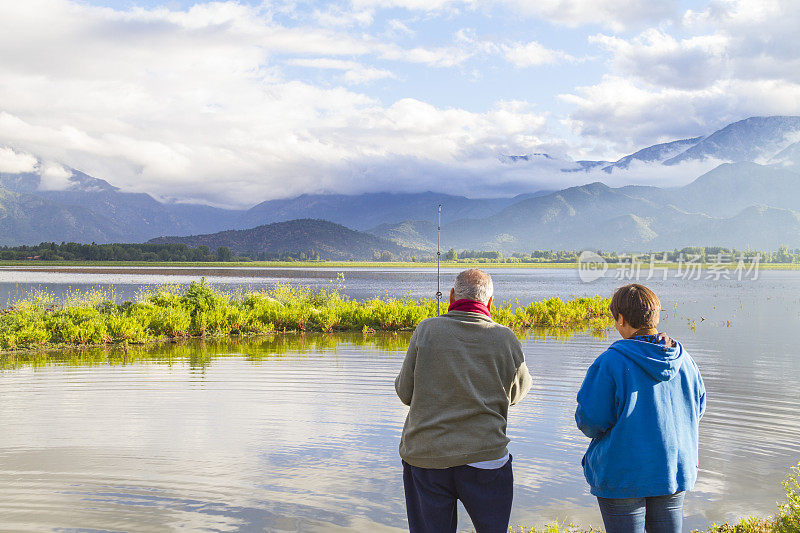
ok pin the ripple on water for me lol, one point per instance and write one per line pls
(233, 436)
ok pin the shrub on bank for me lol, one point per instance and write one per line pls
(200, 311)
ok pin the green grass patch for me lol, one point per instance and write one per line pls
(200, 310)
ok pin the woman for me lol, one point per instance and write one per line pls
(641, 403)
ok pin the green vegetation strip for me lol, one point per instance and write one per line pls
(93, 318)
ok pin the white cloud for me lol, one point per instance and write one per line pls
(337, 17)
(448, 56)
(534, 54)
(355, 73)
(197, 104)
(615, 14)
(660, 59)
(412, 5)
(736, 58)
(633, 115)
(54, 177)
(194, 105)
(762, 36)
(366, 75)
(12, 162)
(398, 27)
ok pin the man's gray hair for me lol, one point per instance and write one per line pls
(474, 284)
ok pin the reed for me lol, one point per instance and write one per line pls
(200, 310)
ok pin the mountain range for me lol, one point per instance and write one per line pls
(331, 241)
(736, 204)
(751, 199)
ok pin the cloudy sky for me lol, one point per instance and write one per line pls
(234, 102)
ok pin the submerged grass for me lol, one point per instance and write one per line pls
(94, 318)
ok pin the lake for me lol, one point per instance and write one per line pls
(300, 433)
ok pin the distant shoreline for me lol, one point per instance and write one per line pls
(369, 264)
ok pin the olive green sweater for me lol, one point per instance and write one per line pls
(460, 374)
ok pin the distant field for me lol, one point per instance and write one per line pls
(363, 264)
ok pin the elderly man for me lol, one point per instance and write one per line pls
(460, 374)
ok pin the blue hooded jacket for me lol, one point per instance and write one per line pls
(641, 405)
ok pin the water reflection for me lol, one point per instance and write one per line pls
(199, 353)
(300, 432)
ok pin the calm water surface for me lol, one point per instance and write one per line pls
(301, 433)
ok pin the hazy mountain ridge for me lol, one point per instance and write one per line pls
(710, 210)
(87, 209)
(27, 218)
(331, 241)
(420, 234)
(35, 183)
(99, 212)
(656, 153)
(369, 210)
(752, 139)
(789, 157)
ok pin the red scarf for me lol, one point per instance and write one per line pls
(470, 306)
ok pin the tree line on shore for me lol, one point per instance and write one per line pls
(178, 252)
(701, 254)
(71, 251)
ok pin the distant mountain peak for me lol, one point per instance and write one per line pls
(752, 139)
(68, 179)
(658, 153)
(512, 159)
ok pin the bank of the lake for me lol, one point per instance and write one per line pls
(200, 310)
(381, 264)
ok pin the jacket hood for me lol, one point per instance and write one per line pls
(661, 362)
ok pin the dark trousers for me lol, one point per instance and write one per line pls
(431, 496)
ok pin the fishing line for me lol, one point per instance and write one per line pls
(438, 255)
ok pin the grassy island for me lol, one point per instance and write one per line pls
(200, 310)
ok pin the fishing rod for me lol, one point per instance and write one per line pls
(438, 255)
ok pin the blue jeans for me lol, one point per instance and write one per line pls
(656, 514)
(431, 496)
